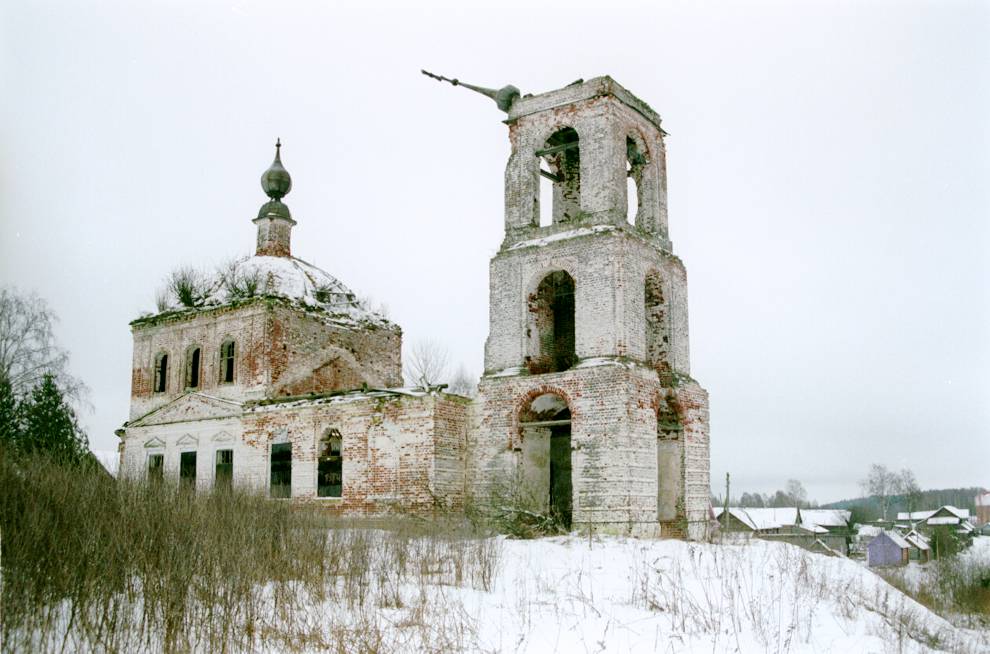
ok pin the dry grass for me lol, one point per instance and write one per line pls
(90, 564)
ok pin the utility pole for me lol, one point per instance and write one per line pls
(725, 512)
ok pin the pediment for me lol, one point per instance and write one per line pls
(187, 439)
(154, 442)
(223, 437)
(190, 407)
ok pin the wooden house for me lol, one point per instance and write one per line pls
(888, 548)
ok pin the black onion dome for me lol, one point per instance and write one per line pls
(276, 181)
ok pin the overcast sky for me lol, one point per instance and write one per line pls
(829, 167)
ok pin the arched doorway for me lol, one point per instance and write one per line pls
(545, 426)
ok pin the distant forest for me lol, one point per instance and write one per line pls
(868, 508)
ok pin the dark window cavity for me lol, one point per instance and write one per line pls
(562, 157)
(161, 372)
(551, 311)
(330, 467)
(187, 468)
(224, 469)
(192, 368)
(227, 362)
(281, 470)
(156, 465)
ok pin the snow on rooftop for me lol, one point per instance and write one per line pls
(562, 236)
(898, 539)
(917, 540)
(761, 519)
(336, 397)
(944, 520)
(289, 278)
(825, 517)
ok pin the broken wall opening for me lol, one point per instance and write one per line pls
(635, 162)
(545, 427)
(657, 323)
(669, 459)
(560, 178)
(552, 325)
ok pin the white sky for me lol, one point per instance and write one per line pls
(828, 177)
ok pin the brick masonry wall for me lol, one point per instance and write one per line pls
(614, 445)
(311, 355)
(280, 351)
(247, 324)
(609, 270)
(400, 453)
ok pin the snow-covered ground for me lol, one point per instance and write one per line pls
(569, 595)
(572, 594)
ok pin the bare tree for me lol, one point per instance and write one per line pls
(795, 489)
(910, 489)
(28, 351)
(463, 383)
(881, 484)
(426, 364)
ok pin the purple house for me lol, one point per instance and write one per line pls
(888, 548)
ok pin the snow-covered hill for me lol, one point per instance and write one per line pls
(569, 595)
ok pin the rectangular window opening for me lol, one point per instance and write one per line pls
(224, 476)
(187, 469)
(156, 466)
(281, 470)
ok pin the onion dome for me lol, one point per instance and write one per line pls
(276, 181)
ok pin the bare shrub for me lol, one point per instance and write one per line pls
(185, 287)
(94, 564)
(426, 363)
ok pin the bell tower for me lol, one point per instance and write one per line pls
(587, 406)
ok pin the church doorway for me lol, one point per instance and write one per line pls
(545, 424)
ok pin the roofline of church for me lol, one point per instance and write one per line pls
(583, 90)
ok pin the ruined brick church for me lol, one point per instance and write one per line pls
(278, 379)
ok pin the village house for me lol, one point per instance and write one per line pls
(821, 529)
(957, 520)
(276, 378)
(888, 548)
(921, 550)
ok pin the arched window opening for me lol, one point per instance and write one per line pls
(330, 466)
(559, 162)
(552, 315)
(657, 329)
(161, 372)
(193, 358)
(545, 426)
(544, 204)
(227, 362)
(635, 161)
